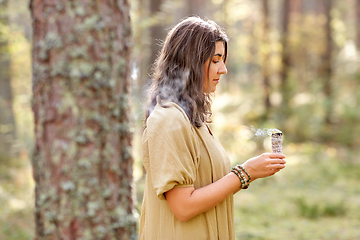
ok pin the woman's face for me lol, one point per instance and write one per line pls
(217, 68)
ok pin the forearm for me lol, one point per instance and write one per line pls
(186, 203)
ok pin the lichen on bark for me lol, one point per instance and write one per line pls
(82, 155)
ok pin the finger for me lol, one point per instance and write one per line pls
(277, 155)
(277, 166)
(273, 171)
(278, 161)
(274, 155)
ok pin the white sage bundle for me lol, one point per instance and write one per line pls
(276, 142)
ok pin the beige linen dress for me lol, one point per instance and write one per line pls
(177, 154)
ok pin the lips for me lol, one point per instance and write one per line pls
(216, 80)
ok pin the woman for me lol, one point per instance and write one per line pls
(190, 183)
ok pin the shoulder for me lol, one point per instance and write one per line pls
(167, 115)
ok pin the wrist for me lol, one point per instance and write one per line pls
(243, 176)
(249, 171)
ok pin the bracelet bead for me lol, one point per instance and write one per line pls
(242, 168)
(243, 177)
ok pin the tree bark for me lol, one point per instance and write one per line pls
(326, 67)
(285, 58)
(157, 30)
(295, 6)
(82, 161)
(266, 57)
(357, 7)
(7, 121)
(197, 7)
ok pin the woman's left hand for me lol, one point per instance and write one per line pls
(265, 165)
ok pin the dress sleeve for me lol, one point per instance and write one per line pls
(172, 149)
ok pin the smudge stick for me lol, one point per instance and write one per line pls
(276, 142)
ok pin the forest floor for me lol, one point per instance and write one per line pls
(316, 197)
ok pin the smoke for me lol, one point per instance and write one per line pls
(172, 87)
(263, 133)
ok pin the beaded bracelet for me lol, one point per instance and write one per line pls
(241, 173)
(242, 168)
(237, 167)
(242, 180)
(241, 176)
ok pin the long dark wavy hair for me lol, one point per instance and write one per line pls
(178, 71)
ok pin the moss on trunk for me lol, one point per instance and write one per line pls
(82, 156)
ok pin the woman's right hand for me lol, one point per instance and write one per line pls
(264, 165)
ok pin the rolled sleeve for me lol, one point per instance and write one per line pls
(172, 149)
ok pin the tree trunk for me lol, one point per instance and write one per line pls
(142, 51)
(266, 58)
(7, 122)
(357, 6)
(197, 7)
(326, 67)
(285, 59)
(157, 30)
(82, 162)
(295, 6)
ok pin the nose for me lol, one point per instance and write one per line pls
(222, 69)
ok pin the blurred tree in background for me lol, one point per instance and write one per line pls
(16, 184)
(7, 122)
(293, 65)
(82, 160)
(357, 30)
(326, 70)
(300, 54)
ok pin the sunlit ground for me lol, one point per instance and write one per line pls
(17, 201)
(315, 197)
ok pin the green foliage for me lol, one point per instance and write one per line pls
(17, 225)
(316, 191)
(308, 210)
(16, 197)
(320, 209)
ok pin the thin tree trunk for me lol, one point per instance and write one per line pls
(82, 160)
(141, 57)
(295, 6)
(285, 58)
(225, 14)
(7, 121)
(157, 30)
(357, 6)
(227, 80)
(197, 7)
(266, 58)
(326, 67)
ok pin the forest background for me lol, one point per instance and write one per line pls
(293, 65)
